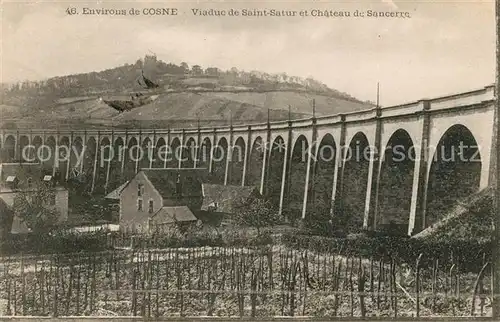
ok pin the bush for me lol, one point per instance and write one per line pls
(468, 254)
(199, 238)
(257, 213)
(56, 242)
(263, 239)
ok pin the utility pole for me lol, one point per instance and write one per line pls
(496, 209)
(378, 94)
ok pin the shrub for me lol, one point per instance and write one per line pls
(468, 254)
(257, 213)
(56, 242)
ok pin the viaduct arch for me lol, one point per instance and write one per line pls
(344, 163)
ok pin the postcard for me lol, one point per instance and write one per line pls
(249, 159)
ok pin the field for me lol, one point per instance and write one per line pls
(265, 281)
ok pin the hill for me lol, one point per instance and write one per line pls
(470, 219)
(185, 95)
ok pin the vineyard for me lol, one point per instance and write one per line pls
(227, 281)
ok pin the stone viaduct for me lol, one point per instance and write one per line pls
(402, 166)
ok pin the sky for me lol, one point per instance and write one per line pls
(445, 47)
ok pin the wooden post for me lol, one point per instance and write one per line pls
(417, 286)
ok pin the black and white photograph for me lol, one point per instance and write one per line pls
(249, 160)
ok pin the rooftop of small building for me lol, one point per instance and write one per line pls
(170, 215)
(25, 176)
(166, 181)
(225, 198)
(115, 194)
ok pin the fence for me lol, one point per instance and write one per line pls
(244, 282)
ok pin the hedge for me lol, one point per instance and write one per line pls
(58, 242)
(72, 242)
(467, 254)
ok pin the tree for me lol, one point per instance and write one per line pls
(319, 221)
(35, 207)
(284, 77)
(185, 67)
(257, 213)
(6, 219)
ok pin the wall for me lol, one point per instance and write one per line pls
(129, 215)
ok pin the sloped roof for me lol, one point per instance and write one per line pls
(169, 215)
(21, 172)
(222, 198)
(165, 181)
(115, 194)
(19, 227)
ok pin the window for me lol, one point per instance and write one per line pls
(140, 190)
(151, 206)
(139, 204)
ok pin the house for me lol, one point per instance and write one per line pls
(196, 70)
(220, 201)
(161, 197)
(171, 218)
(18, 178)
(212, 71)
